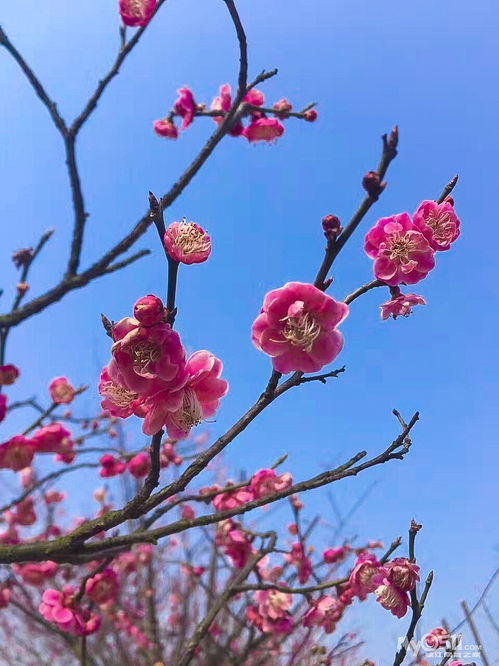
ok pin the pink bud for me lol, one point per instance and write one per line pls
(187, 242)
(149, 310)
(8, 374)
(311, 115)
(166, 128)
(373, 185)
(332, 227)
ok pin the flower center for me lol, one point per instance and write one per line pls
(145, 354)
(442, 227)
(301, 331)
(136, 8)
(190, 239)
(190, 414)
(119, 395)
(400, 248)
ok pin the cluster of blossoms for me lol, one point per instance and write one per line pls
(391, 581)
(138, 465)
(404, 248)
(61, 608)
(297, 327)
(252, 120)
(149, 375)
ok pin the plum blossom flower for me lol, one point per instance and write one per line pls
(311, 115)
(24, 513)
(139, 465)
(333, 555)
(366, 575)
(166, 128)
(4, 597)
(185, 106)
(187, 243)
(17, 453)
(400, 305)
(303, 564)
(35, 573)
(223, 102)
(325, 612)
(232, 499)
(392, 598)
(263, 129)
(103, 587)
(141, 354)
(271, 615)
(8, 374)
(400, 251)
(235, 542)
(438, 223)
(403, 573)
(53, 438)
(297, 327)
(61, 391)
(267, 482)
(136, 13)
(61, 609)
(111, 466)
(149, 310)
(282, 108)
(198, 400)
(436, 638)
(118, 400)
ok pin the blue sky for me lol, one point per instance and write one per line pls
(430, 67)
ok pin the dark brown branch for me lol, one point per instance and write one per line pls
(335, 246)
(363, 290)
(222, 599)
(35, 83)
(448, 189)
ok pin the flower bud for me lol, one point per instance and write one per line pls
(22, 288)
(310, 115)
(373, 185)
(8, 374)
(149, 310)
(187, 242)
(282, 108)
(166, 128)
(332, 227)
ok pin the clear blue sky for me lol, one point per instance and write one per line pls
(431, 67)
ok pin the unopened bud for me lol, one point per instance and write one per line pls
(332, 227)
(149, 310)
(373, 185)
(310, 115)
(390, 143)
(22, 288)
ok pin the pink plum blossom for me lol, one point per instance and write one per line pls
(198, 400)
(436, 638)
(24, 513)
(136, 13)
(8, 374)
(235, 543)
(149, 310)
(17, 453)
(223, 102)
(282, 108)
(117, 399)
(366, 575)
(267, 482)
(254, 97)
(400, 251)
(297, 327)
(438, 223)
(311, 115)
(36, 573)
(325, 612)
(303, 564)
(139, 465)
(185, 106)
(392, 598)
(111, 466)
(61, 391)
(166, 128)
(232, 499)
(333, 555)
(60, 608)
(402, 573)
(263, 129)
(53, 438)
(187, 243)
(142, 354)
(4, 597)
(103, 587)
(271, 614)
(400, 305)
